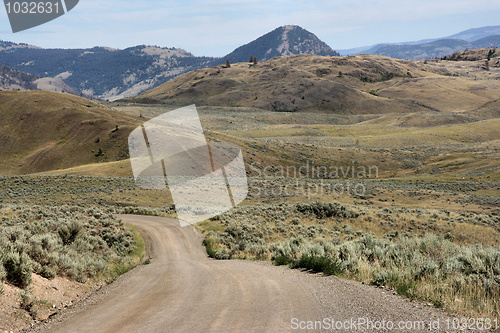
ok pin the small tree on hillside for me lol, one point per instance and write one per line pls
(491, 53)
(251, 59)
(255, 60)
(228, 63)
(486, 65)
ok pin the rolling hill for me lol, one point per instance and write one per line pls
(274, 111)
(111, 74)
(42, 131)
(362, 84)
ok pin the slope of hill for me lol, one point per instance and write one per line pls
(55, 84)
(363, 84)
(381, 111)
(42, 131)
(11, 79)
(474, 55)
(112, 74)
(283, 41)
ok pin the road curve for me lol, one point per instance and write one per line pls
(182, 290)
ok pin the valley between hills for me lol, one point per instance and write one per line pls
(418, 215)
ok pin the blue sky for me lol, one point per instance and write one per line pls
(216, 27)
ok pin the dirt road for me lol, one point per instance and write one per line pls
(182, 290)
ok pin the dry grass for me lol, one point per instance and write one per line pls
(116, 169)
(369, 84)
(43, 131)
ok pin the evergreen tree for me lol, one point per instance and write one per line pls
(490, 54)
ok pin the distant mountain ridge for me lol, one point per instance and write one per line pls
(283, 41)
(435, 47)
(475, 34)
(103, 72)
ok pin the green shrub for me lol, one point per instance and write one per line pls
(223, 255)
(323, 210)
(68, 232)
(3, 273)
(27, 303)
(71, 241)
(323, 264)
(427, 269)
(48, 272)
(406, 288)
(381, 278)
(211, 246)
(18, 268)
(281, 260)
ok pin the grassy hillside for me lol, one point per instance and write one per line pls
(42, 131)
(399, 145)
(363, 84)
(406, 117)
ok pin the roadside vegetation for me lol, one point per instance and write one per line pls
(418, 253)
(64, 225)
(81, 243)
